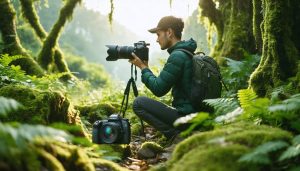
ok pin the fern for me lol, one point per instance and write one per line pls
(7, 105)
(5, 59)
(246, 97)
(222, 105)
(291, 104)
(292, 151)
(195, 120)
(260, 153)
(254, 108)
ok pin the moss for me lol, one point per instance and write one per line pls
(279, 54)
(232, 20)
(47, 54)
(12, 42)
(97, 111)
(49, 161)
(31, 16)
(101, 164)
(215, 149)
(257, 22)
(214, 159)
(70, 156)
(42, 107)
(153, 146)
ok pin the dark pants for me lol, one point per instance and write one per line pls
(157, 114)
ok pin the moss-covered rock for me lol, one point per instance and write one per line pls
(97, 111)
(221, 148)
(149, 150)
(62, 156)
(39, 107)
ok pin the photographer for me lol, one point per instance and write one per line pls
(176, 75)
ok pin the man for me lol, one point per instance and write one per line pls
(176, 75)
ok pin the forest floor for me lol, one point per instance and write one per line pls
(134, 162)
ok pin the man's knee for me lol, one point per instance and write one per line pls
(138, 103)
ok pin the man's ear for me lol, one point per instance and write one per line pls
(170, 32)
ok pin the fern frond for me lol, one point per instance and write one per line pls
(270, 147)
(7, 105)
(296, 140)
(260, 153)
(256, 158)
(5, 59)
(246, 96)
(291, 104)
(291, 152)
(222, 105)
(26, 133)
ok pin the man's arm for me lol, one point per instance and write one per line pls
(161, 85)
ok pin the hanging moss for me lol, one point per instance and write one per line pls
(31, 16)
(47, 54)
(280, 54)
(232, 20)
(257, 23)
(12, 44)
(110, 15)
(221, 148)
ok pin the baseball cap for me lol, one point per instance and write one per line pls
(168, 22)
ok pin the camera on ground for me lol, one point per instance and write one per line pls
(114, 130)
(116, 52)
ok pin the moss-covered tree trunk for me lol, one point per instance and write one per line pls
(233, 22)
(50, 52)
(281, 45)
(12, 45)
(31, 16)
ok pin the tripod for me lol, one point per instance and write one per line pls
(131, 82)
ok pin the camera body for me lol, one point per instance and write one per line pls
(114, 130)
(116, 52)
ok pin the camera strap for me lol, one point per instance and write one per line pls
(131, 82)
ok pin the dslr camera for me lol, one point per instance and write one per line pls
(114, 130)
(116, 52)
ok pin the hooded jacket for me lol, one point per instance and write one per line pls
(176, 75)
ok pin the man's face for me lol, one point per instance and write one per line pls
(163, 38)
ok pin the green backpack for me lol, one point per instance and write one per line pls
(206, 81)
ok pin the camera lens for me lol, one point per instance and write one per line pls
(110, 133)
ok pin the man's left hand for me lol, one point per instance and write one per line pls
(138, 62)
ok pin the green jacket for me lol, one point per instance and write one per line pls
(176, 74)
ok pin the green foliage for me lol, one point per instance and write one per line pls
(201, 119)
(236, 73)
(222, 105)
(254, 108)
(7, 105)
(264, 154)
(290, 104)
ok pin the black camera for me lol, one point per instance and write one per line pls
(114, 130)
(116, 52)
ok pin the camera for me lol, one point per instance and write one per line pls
(114, 130)
(116, 52)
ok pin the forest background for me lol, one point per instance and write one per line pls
(54, 77)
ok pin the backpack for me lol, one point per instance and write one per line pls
(206, 80)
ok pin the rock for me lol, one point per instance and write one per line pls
(149, 150)
(145, 153)
(220, 149)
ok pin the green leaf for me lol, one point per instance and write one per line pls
(7, 105)
(291, 152)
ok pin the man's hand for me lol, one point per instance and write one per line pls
(138, 62)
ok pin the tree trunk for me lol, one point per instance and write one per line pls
(281, 45)
(233, 22)
(31, 16)
(11, 40)
(49, 52)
